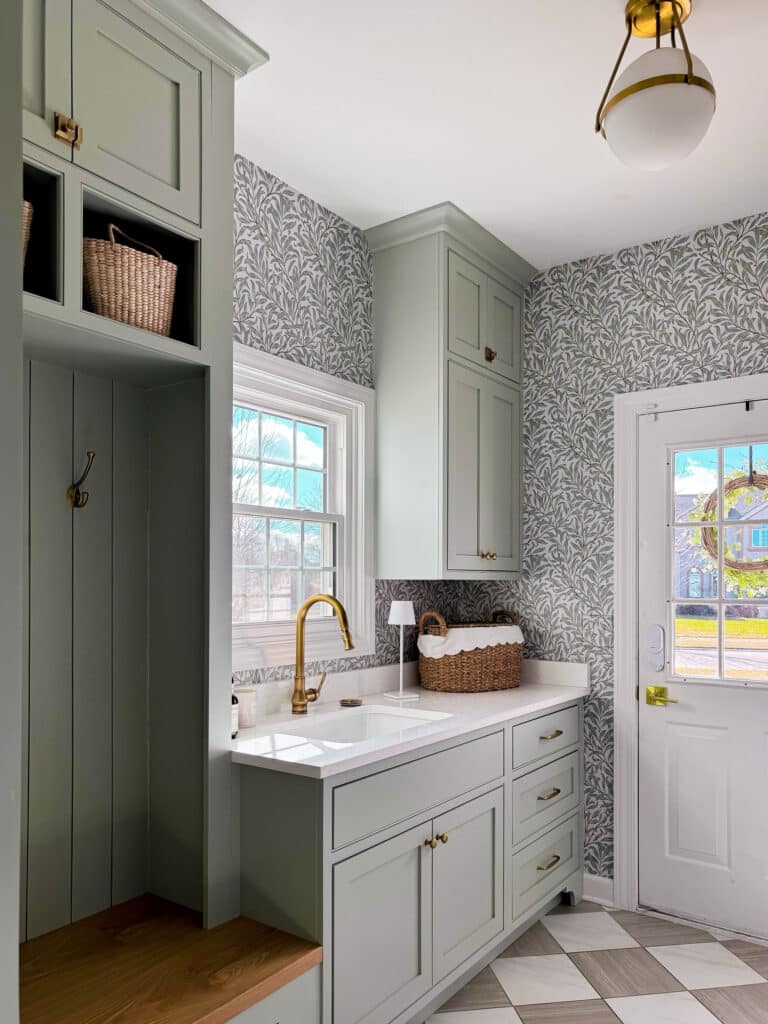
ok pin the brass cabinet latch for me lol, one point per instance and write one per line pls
(68, 130)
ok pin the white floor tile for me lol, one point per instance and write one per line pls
(579, 933)
(542, 979)
(673, 1008)
(705, 965)
(503, 1015)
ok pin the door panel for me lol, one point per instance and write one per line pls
(500, 427)
(382, 930)
(46, 70)
(467, 308)
(505, 331)
(468, 892)
(139, 107)
(464, 441)
(703, 633)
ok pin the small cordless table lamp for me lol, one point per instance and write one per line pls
(401, 614)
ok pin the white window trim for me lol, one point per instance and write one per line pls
(261, 379)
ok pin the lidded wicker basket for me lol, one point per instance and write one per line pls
(26, 225)
(125, 284)
(498, 667)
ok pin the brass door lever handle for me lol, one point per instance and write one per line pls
(76, 497)
(656, 697)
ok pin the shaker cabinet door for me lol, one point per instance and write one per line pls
(465, 395)
(468, 872)
(467, 308)
(503, 350)
(382, 929)
(139, 107)
(46, 71)
(500, 440)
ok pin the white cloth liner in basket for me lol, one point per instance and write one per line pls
(468, 638)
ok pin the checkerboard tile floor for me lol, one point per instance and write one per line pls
(584, 965)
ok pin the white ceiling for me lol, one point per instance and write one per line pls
(379, 109)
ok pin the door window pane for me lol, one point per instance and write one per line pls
(695, 483)
(745, 566)
(695, 570)
(745, 467)
(696, 640)
(745, 652)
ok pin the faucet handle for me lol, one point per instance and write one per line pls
(314, 692)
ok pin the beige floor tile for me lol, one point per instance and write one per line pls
(625, 972)
(752, 954)
(746, 1004)
(587, 1011)
(650, 931)
(482, 993)
(535, 942)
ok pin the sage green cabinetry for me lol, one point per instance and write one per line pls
(448, 315)
(134, 89)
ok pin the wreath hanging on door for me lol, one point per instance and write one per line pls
(709, 533)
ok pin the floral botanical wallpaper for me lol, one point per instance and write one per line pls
(678, 311)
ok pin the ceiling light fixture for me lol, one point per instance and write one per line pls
(660, 107)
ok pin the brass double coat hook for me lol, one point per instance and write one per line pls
(76, 497)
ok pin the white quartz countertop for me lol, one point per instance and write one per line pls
(266, 746)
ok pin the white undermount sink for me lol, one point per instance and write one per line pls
(355, 725)
(331, 737)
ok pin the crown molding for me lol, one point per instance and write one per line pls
(200, 26)
(448, 218)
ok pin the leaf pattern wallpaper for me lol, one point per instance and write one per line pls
(682, 310)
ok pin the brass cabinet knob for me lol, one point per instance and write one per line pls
(443, 838)
(431, 842)
(490, 354)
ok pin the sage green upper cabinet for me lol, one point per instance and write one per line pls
(485, 319)
(382, 930)
(46, 70)
(139, 105)
(467, 872)
(483, 472)
(448, 316)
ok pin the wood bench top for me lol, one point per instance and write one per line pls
(148, 961)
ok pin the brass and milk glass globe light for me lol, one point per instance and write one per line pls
(659, 109)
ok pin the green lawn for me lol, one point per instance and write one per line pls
(742, 628)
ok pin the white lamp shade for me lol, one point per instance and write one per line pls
(401, 614)
(657, 127)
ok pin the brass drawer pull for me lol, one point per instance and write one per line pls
(68, 130)
(443, 838)
(488, 555)
(552, 735)
(431, 842)
(551, 795)
(550, 863)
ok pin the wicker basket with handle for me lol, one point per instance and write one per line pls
(128, 285)
(26, 225)
(486, 668)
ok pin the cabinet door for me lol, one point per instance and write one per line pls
(468, 872)
(46, 70)
(467, 308)
(138, 105)
(500, 440)
(465, 389)
(382, 929)
(503, 348)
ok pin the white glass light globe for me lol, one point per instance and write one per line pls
(656, 127)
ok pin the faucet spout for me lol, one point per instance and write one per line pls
(301, 697)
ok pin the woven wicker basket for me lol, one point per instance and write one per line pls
(124, 284)
(486, 668)
(26, 224)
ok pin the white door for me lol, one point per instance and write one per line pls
(703, 634)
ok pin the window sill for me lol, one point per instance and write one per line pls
(255, 651)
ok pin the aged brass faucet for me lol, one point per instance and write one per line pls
(301, 697)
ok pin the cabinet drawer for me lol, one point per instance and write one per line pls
(541, 868)
(371, 804)
(544, 795)
(544, 736)
(298, 1002)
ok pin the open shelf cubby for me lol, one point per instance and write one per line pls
(99, 212)
(42, 267)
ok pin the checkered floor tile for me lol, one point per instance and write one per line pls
(586, 965)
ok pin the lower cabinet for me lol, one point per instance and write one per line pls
(468, 881)
(410, 910)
